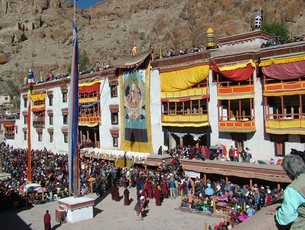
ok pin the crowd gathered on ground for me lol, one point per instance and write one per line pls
(50, 170)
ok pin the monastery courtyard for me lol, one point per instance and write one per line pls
(112, 215)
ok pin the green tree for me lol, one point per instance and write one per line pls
(13, 92)
(84, 62)
(278, 30)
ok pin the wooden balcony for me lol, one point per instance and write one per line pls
(87, 120)
(235, 92)
(240, 126)
(38, 123)
(284, 88)
(88, 100)
(186, 120)
(286, 125)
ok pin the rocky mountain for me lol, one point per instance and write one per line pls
(37, 33)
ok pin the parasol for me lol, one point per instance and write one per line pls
(30, 187)
(40, 189)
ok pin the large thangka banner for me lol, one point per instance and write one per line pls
(135, 115)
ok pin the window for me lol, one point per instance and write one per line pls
(10, 132)
(39, 118)
(16, 129)
(51, 137)
(39, 136)
(50, 119)
(115, 137)
(25, 135)
(65, 137)
(115, 141)
(25, 102)
(279, 144)
(279, 149)
(24, 119)
(114, 91)
(50, 100)
(114, 118)
(165, 108)
(114, 113)
(65, 119)
(64, 96)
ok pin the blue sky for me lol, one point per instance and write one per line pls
(84, 4)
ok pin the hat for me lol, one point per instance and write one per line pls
(247, 206)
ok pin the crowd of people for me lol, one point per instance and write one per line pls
(219, 152)
(174, 53)
(51, 76)
(50, 170)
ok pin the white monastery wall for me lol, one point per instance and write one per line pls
(155, 111)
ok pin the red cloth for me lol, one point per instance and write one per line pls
(90, 89)
(240, 74)
(286, 71)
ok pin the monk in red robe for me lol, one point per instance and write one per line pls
(126, 197)
(158, 195)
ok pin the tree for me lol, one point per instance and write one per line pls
(84, 62)
(12, 91)
(278, 30)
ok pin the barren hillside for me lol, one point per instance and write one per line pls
(37, 33)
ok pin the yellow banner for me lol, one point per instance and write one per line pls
(282, 60)
(88, 83)
(88, 124)
(88, 100)
(186, 93)
(182, 79)
(237, 66)
(38, 97)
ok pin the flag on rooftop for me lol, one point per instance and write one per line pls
(30, 82)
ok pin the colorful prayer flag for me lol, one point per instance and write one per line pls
(30, 82)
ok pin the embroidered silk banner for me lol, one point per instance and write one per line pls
(136, 130)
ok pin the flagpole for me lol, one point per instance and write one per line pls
(73, 149)
(29, 169)
(30, 91)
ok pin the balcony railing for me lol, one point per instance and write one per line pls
(286, 126)
(89, 119)
(283, 88)
(237, 126)
(188, 120)
(38, 123)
